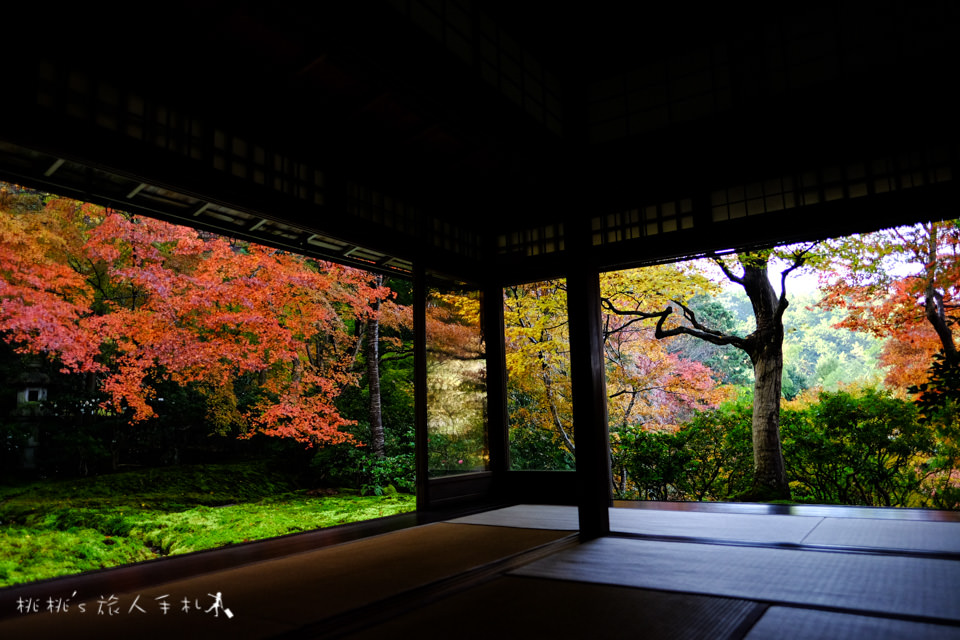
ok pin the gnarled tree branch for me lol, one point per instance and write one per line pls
(697, 330)
(709, 335)
(731, 276)
(799, 259)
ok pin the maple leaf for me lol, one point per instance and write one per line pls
(901, 285)
(139, 300)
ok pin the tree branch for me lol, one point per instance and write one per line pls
(692, 319)
(636, 392)
(713, 337)
(639, 315)
(697, 330)
(731, 276)
(799, 259)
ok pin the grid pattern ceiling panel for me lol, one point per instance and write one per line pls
(82, 182)
(831, 183)
(479, 42)
(642, 222)
(535, 241)
(85, 100)
(687, 87)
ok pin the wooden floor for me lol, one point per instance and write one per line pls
(666, 571)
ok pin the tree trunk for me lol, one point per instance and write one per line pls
(372, 354)
(765, 348)
(933, 299)
(769, 473)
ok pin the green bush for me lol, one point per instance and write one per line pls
(708, 459)
(863, 449)
(537, 449)
(721, 453)
(459, 453)
(867, 448)
(654, 462)
(14, 436)
(357, 468)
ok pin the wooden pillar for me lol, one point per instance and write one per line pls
(498, 441)
(420, 385)
(588, 383)
(587, 372)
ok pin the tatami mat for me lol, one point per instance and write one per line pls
(533, 516)
(934, 537)
(514, 607)
(891, 585)
(718, 526)
(770, 529)
(781, 623)
(843, 532)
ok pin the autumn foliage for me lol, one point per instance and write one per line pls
(135, 301)
(456, 381)
(901, 285)
(648, 387)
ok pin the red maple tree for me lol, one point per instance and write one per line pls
(901, 285)
(135, 301)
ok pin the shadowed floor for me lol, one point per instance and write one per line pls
(520, 572)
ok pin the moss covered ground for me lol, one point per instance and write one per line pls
(62, 527)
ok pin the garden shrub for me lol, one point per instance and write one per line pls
(357, 468)
(862, 449)
(710, 458)
(536, 449)
(654, 461)
(865, 448)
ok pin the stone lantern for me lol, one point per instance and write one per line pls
(32, 392)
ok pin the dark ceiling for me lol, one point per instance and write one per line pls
(493, 116)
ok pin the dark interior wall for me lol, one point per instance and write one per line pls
(467, 135)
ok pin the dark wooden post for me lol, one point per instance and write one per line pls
(588, 385)
(420, 385)
(496, 381)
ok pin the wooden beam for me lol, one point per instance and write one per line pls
(588, 384)
(420, 385)
(497, 422)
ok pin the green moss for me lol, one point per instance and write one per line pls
(34, 554)
(50, 529)
(206, 527)
(161, 487)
